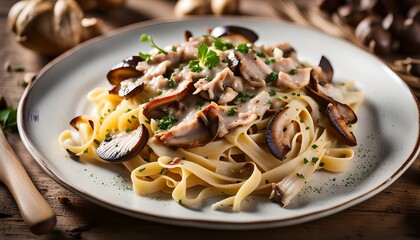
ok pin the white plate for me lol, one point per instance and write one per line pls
(387, 131)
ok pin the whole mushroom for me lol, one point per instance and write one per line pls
(48, 27)
(373, 35)
(103, 5)
(192, 7)
(220, 7)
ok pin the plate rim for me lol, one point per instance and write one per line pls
(194, 222)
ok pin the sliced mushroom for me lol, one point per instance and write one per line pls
(314, 91)
(124, 70)
(79, 119)
(196, 133)
(235, 34)
(153, 109)
(340, 115)
(327, 70)
(123, 146)
(339, 123)
(253, 68)
(277, 141)
(130, 90)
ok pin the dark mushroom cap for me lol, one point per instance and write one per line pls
(340, 115)
(275, 134)
(330, 6)
(124, 70)
(351, 14)
(410, 37)
(339, 123)
(123, 146)
(327, 70)
(235, 33)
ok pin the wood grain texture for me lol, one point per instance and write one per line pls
(392, 214)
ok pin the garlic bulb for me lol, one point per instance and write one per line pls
(49, 27)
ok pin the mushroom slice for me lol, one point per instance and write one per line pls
(235, 34)
(339, 123)
(340, 115)
(153, 109)
(314, 91)
(123, 146)
(327, 70)
(253, 68)
(130, 90)
(80, 119)
(196, 133)
(124, 70)
(276, 138)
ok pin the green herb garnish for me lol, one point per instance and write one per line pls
(171, 83)
(8, 120)
(300, 175)
(207, 57)
(194, 65)
(243, 48)
(232, 111)
(166, 122)
(200, 104)
(293, 71)
(145, 56)
(221, 45)
(241, 97)
(272, 92)
(271, 77)
(260, 54)
(148, 38)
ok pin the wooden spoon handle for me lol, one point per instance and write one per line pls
(36, 212)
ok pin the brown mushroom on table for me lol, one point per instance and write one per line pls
(372, 34)
(196, 133)
(410, 37)
(340, 115)
(234, 34)
(123, 146)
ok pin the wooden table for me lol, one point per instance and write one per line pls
(392, 214)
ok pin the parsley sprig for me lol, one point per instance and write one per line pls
(221, 45)
(206, 57)
(147, 38)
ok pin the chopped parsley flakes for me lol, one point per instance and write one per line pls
(167, 122)
(271, 77)
(243, 48)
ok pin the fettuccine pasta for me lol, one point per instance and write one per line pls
(219, 116)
